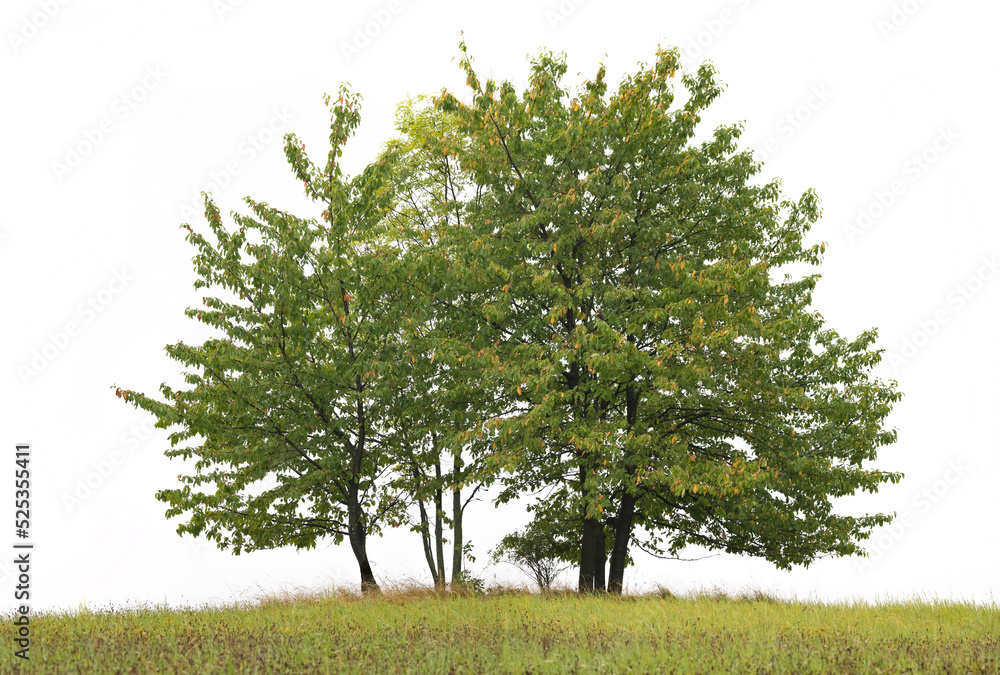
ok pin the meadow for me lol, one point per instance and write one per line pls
(513, 631)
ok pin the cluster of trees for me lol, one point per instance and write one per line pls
(553, 292)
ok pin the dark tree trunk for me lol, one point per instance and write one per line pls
(425, 528)
(358, 536)
(623, 535)
(357, 533)
(439, 528)
(425, 538)
(588, 553)
(585, 583)
(626, 509)
(600, 557)
(368, 584)
(456, 528)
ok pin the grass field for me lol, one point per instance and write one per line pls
(517, 632)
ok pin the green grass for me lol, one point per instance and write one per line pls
(418, 631)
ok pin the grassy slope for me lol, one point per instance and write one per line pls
(418, 632)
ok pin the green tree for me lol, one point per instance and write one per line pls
(429, 194)
(627, 303)
(290, 410)
(537, 551)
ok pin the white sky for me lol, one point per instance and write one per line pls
(863, 100)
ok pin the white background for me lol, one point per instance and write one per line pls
(887, 108)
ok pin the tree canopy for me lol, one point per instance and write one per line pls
(627, 301)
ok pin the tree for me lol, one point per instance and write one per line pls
(627, 303)
(536, 552)
(292, 405)
(442, 445)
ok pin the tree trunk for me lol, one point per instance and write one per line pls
(439, 528)
(425, 526)
(425, 538)
(456, 531)
(357, 536)
(600, 557)
(623, 535)
(626, 509)
(588, 552)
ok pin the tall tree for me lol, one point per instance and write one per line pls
(443, 445)
(624, 277)
(288, 407)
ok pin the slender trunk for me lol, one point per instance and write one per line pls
(588, 542)
(600, 557)
(456, 518)
(425, 538)
(623, 535)
(356, 530)
(439, 527)
(425, 525)
(358, 536)
(626, 509)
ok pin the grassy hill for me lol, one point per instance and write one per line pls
(517, 632)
